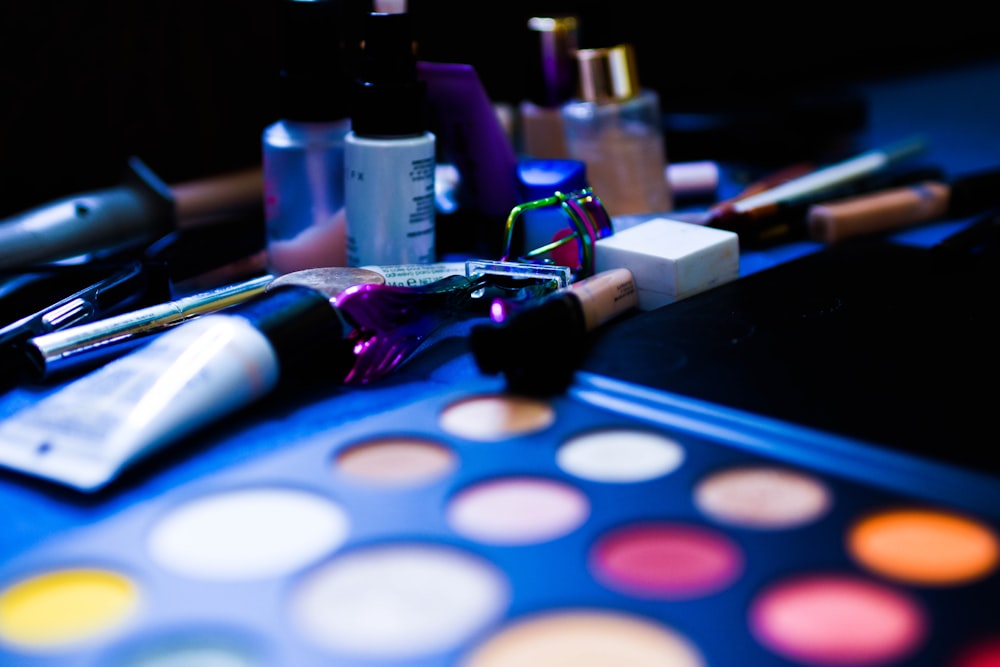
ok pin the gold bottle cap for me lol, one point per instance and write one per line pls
(555, 24)
(608, 74)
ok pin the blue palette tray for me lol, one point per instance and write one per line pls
(612, 525)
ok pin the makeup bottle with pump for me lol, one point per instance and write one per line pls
(615, 128)
(551, 83)
(390, 154)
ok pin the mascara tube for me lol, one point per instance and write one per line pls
(519, 343)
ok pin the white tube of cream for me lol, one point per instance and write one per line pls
(83, 434)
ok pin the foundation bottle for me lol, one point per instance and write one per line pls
(615, 128)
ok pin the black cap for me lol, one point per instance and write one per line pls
(538, 349)
(313, 82)
(388, 97)
(306, 332)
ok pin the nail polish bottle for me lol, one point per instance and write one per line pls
(551, 82)
(303, 151)
(615, 128)
(389, 152)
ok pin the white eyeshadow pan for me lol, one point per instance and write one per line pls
(247, 533)
(620, 455)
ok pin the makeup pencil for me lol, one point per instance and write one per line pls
(787, 220)
(902, 207)
(816, 185)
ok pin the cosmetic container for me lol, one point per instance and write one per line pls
(303, 151)
(551, 80)
(185, 379)
(670, 259)
(538, 179)
(614, 127)
(390, 154)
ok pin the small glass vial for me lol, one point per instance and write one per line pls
(303, 151)
(551, 83)
(615, 128)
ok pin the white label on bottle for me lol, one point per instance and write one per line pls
(389, 199)
(415, 275)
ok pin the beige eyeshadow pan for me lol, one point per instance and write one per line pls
(496, 417)
(764, 497)
(586, 638)
(396, 461)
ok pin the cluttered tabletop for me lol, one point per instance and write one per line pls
(735, 412)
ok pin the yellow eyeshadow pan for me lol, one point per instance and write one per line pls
(65, 606)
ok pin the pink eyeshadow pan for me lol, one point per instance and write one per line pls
(838, 620)
(666, 561)
(517, 510)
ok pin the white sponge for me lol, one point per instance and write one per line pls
(669, 259)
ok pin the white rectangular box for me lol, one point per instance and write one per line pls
(670, 259)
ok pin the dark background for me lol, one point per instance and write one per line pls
(188, 85)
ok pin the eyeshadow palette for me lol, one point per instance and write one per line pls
(610, 525)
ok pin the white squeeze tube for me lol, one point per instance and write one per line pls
(85, 432)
